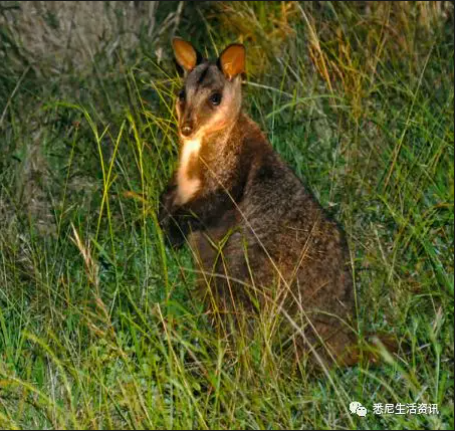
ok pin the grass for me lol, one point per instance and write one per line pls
(99, 327)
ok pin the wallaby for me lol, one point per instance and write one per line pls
(260, 238)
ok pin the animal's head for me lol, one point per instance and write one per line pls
(210, 99)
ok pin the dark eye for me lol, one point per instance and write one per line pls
(215, 99)
(182, 95)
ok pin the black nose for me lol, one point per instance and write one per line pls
(187, 129)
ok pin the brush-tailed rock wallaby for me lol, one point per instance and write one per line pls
(260, 239)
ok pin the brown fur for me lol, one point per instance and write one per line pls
(260, 239)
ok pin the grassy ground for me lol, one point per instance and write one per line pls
(98, 325)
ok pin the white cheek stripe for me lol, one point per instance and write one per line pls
(187, 186)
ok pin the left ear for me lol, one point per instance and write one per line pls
(232, 60)
(185, 54)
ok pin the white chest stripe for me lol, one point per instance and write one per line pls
(187, 186)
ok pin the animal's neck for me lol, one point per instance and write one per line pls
(188, 183)
(219, 152)
(207, 162)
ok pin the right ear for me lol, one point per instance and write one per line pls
(185, 54)
(232, 60)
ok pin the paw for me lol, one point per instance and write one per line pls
(166, 207)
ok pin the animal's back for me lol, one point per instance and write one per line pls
(277, 248)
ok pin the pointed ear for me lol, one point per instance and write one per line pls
(232, 60)
(185, 54)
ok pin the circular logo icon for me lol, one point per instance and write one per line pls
(356, 408)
